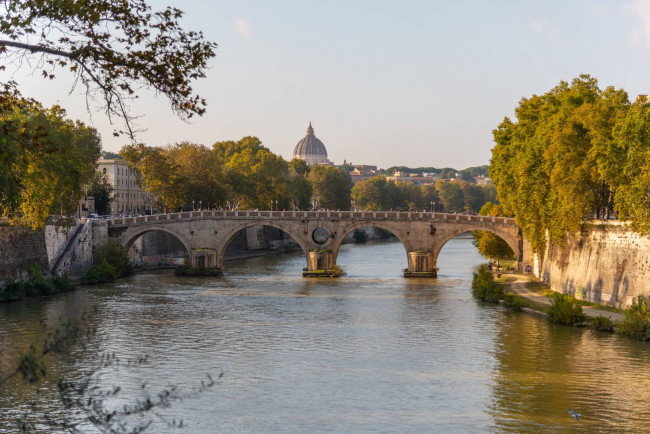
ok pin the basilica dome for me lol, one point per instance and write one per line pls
(311, 149)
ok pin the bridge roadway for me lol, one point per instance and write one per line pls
(320, 234)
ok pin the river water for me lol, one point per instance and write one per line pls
(369, 352)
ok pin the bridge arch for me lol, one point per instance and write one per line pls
(129, 238)
(230, 235)
(132, 234)
(349, 228)
(513, 242)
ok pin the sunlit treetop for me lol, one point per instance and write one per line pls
(114, 48)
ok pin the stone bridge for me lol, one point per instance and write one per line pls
(206, 234)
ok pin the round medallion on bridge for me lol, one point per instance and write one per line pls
(320, 235)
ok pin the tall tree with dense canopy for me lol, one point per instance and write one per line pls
(451, 195)
(113, 48)
(45, 159)
(257, 177)
(631, 151)
(202, 172)
(157, 174)
(102, 192)
(488, 244)
(300, 189)
(331, 187)
(371, 194)
(553, 166)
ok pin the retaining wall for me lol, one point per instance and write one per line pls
(606, 263)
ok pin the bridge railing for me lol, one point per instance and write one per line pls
(371, 215)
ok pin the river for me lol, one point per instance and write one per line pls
(369, 352)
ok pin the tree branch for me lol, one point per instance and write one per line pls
(40, 49)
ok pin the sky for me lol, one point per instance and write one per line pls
(386, 83)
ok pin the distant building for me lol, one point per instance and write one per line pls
(128, 196)
(483, 180)
(361, 172)
(413, 178)
(311, 150)
(364, 167)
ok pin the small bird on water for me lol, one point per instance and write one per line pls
(574, 414)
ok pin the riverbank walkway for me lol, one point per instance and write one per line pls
(519, 287)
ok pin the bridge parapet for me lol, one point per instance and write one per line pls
(312, 215)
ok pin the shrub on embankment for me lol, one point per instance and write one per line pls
(36, 285)
(485, 288)
(601, 323)
(565, 310)
(111, 262)
(637, 320)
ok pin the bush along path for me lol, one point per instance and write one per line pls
(36, 285)
(522, 293)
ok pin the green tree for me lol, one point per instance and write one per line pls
(552, 166)
(113, 48)
(371, 194)
(202, 172)
(430, 198)
(331, 187)
(45, 160)
(157, 174)
(300, 190)
(448, 173)
(466, 175)
(451, 195)
(473, 196)
(298, 167)
(257, 178)
(410, 195)
(102, 191)
(631, 151)
(488, 244)
(489, 193)
(478, 170)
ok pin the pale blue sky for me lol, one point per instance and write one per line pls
(415, 83)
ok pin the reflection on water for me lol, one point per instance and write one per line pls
(371, 351)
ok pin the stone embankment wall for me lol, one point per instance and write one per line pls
(75, 250)
(21, 249)
(607, 263)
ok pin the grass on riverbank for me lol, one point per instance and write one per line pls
(36, 285)
(543, 289)
(563, 309)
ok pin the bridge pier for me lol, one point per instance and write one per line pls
(320, 263)
(420, 264)
(203, 258)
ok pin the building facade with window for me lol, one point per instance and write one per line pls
(128, 196)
